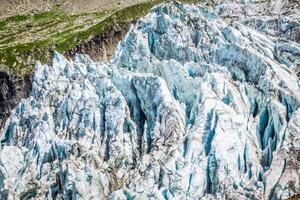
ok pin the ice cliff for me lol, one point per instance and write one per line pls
(189, 108)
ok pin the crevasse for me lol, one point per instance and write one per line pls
(189, 108)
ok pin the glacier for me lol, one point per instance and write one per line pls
(190, 107)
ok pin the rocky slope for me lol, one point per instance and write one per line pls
(12, 89)
(20, 7)
(72, 7)
(102, 47)
(190, 107)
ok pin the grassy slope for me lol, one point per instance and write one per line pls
(24, 39)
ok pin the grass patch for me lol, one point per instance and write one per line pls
(13, 19)
(16, 57)
(127, 14)
(17, 18)
(63, 32)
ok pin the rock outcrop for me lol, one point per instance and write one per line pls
(12, 89)
(102, 47)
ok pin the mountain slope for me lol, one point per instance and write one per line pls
(24, 39)
(189, 108)
(72, 7)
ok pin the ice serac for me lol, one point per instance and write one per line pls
(188, 108)
(275, 17)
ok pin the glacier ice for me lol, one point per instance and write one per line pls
(189, 108)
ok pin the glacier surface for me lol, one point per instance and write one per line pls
(189, 108)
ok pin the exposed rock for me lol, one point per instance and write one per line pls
(12, 89)
(102, 47)
(22, 7)
(71, 7)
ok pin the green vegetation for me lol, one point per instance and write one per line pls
(24, 39)
(13, 19)
(126, 14)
